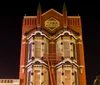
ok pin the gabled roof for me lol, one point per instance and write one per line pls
(52, 10)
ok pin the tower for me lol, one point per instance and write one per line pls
(52, 50)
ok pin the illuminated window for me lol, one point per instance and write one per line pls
(74, 51)
(29, 51)
(37, 49)
(66, 49)
(37, 77)
(29, 78)
(67, 77)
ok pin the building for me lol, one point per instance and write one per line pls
(52, 51)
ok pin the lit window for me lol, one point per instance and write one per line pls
(29, 51)
(66, 49)
(37, 49)
(74, 50)
(67, 77)
(29, 78)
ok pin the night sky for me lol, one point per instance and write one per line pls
(11, 15)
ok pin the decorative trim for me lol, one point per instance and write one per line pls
(73, 16)
(52, 42)
(79, 42)
(36, 33)
(64, 33)
(24, 42)
(23, 68)
(81, 68)
(30, 16)
(52, 10)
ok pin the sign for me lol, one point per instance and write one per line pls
(52, 23)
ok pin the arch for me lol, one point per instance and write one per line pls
(69, 33)
(37, 62)
(36, 32)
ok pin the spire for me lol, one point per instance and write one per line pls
(64, 11)
(64, 8)
(39, 12)
(39, 7)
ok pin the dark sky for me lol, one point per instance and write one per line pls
(11, 15)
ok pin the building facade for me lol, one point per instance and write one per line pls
(52, 51)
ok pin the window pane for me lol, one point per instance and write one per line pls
(37, 77)
(29, 77)
(59, 78)
(30, 50)
(67, 77)
(37, 49)
(66, 49)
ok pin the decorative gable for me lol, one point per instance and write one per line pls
(52, 20)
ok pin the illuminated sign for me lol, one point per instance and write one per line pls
(52, 23)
